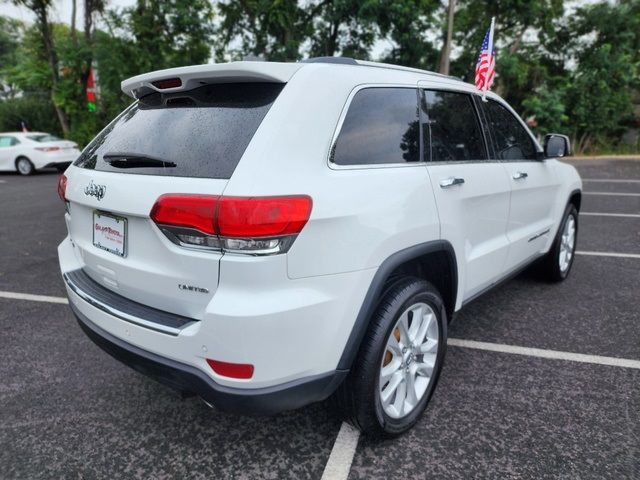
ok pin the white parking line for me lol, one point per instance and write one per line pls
(33, 298)
(609, 180)
(608, 254)
(615, 194)
(602, 214)
(542, 353)
(342, 453)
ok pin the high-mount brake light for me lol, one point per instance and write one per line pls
(62, 188)
(254, 225)
(167, 83)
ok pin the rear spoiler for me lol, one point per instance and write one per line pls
(187, 78)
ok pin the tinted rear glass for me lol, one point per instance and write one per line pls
(198, 133)
(455, 133)
(381, 126)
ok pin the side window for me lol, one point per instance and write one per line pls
(8, 142)
(511, 140)
(381, 126)
(453, 132)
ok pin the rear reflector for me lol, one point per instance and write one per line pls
(167, 83)
(231, 370)
(62, 188)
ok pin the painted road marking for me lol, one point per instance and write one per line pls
(608, 254)
(33, 298)
(542, 353)
(609, 180)
(615, 194)
(342, 453)
(602, 214)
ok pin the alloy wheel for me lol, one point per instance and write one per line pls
(408, 362)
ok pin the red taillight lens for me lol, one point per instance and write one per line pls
(250, 217)
(62, 188)
(255, 225)
(190, 211)
(48, 149)
(232, 370)
(167, 83)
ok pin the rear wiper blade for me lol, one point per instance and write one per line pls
(135, 160)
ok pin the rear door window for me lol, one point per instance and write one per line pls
(452, 130)
(8, 141)
(198, 133)
(380, 127)
(511, 140)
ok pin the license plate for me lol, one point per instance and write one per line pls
(110, 233)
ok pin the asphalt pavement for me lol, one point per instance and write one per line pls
(68, 410)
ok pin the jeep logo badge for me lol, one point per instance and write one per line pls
(94, 190)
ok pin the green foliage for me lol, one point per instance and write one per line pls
(37, 112)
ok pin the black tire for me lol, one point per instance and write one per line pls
(24, 166)
(549, 267)
(358, 398)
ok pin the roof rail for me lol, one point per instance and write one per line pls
(391, 66)
(340, 60)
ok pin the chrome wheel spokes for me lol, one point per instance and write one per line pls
(567, 244)
(409, 360)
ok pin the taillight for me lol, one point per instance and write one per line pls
(62, 188)
(232, 370)
(255, 225)
(48, 149)
(192, 211)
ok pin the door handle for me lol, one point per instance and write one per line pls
(520, 175)
(451, 181)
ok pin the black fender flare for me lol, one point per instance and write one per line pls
(374, 293)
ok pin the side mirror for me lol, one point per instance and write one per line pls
(556, 145)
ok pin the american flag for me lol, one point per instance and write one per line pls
(486, 66)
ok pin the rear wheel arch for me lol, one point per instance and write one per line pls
(576, 199)
(432, 261)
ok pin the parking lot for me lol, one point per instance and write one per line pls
(68, 410)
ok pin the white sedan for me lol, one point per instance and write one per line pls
(30, 151)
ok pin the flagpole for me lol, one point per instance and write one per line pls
(486, 86)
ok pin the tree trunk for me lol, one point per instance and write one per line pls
(52, 59)
(446, 48)
(74, 40)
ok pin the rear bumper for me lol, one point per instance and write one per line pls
(186, 378)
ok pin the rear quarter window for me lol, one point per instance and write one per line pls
(381, 127)
(198, 133)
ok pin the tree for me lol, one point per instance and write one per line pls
(40, 8)
(446, 44)
(408, 24)
(10, 37)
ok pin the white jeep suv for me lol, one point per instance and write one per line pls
(265, 235)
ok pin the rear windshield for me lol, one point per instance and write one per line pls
(199, 133)
(45, 137)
